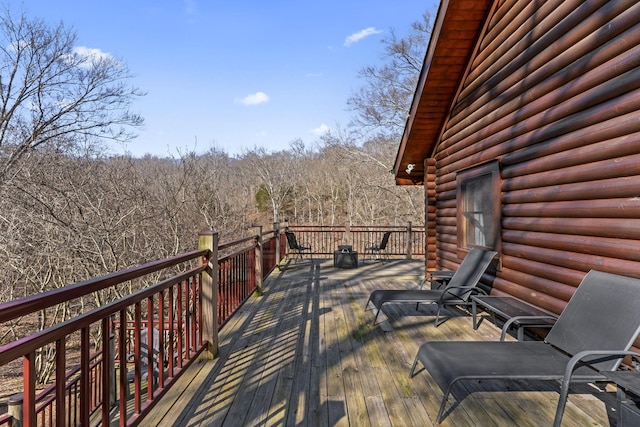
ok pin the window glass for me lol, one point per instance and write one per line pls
(478, 207)
(477, 211)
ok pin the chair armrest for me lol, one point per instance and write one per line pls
(607, 354)
(473, 289)
(571, 365)
(514, 319)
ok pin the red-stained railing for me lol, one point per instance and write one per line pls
(122, 374)
(236, 279)
(46, 407)
(88, 390)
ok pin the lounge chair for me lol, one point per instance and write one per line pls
(295, 248)
(456, 292)
(592, 335)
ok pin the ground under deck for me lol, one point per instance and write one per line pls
(305, 354)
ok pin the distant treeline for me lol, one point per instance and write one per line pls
(65, 218)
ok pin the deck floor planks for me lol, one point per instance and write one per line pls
(335, 384)
(355, 401)
(299, 397)
(407, 325)
(372, 362)
(273, 375)
(245, 350)
(310, 346)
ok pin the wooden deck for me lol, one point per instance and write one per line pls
(305, 354)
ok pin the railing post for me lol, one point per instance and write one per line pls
(14, 409)
(276, 235)
(209, 240)
(409, 240)
(347, 235)
(258, 266)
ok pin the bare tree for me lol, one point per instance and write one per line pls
(53, 92)
(382, 105)
(272, 173)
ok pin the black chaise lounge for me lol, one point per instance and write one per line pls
(457, 291)
(596, 329)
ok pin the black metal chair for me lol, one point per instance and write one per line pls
(295, 248)
(457, 291)
(592, 335)
(379, 250)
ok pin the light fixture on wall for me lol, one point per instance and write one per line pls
(410, 167)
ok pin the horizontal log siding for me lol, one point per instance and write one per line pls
(554, 93)
(431, 212)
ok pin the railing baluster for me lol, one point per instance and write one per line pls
(29, 396)
(180, 327)
(137, 376)
(187, 317)
(122, 357)
(151, 363)
(107, 368)
(194, 311)
(172, 334)
(84, 376)
(61, 366)
(161, 336)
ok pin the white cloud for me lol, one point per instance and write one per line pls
(253, 99)
(321, 130)
(356, 37)
(313, 75)
(90, 54)
(87, 57)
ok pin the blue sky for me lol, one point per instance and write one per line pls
(236, 74)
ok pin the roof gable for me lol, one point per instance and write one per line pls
(456, 31)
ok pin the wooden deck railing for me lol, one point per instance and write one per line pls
(405, 241)
(120, 374)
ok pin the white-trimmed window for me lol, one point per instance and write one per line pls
(478, 207)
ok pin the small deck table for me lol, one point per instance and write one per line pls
(438, 278)
(628, 395)
(508, 308)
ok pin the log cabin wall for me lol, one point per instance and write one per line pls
(430, 212)
(553, 93)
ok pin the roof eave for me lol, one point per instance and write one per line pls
(462, 22)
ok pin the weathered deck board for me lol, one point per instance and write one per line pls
(305, 354)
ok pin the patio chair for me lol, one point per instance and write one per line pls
(297, 249)
(379, 250)
(457, 291)
(592, 335)
(144, 356)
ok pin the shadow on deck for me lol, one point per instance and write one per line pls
(305, 353)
